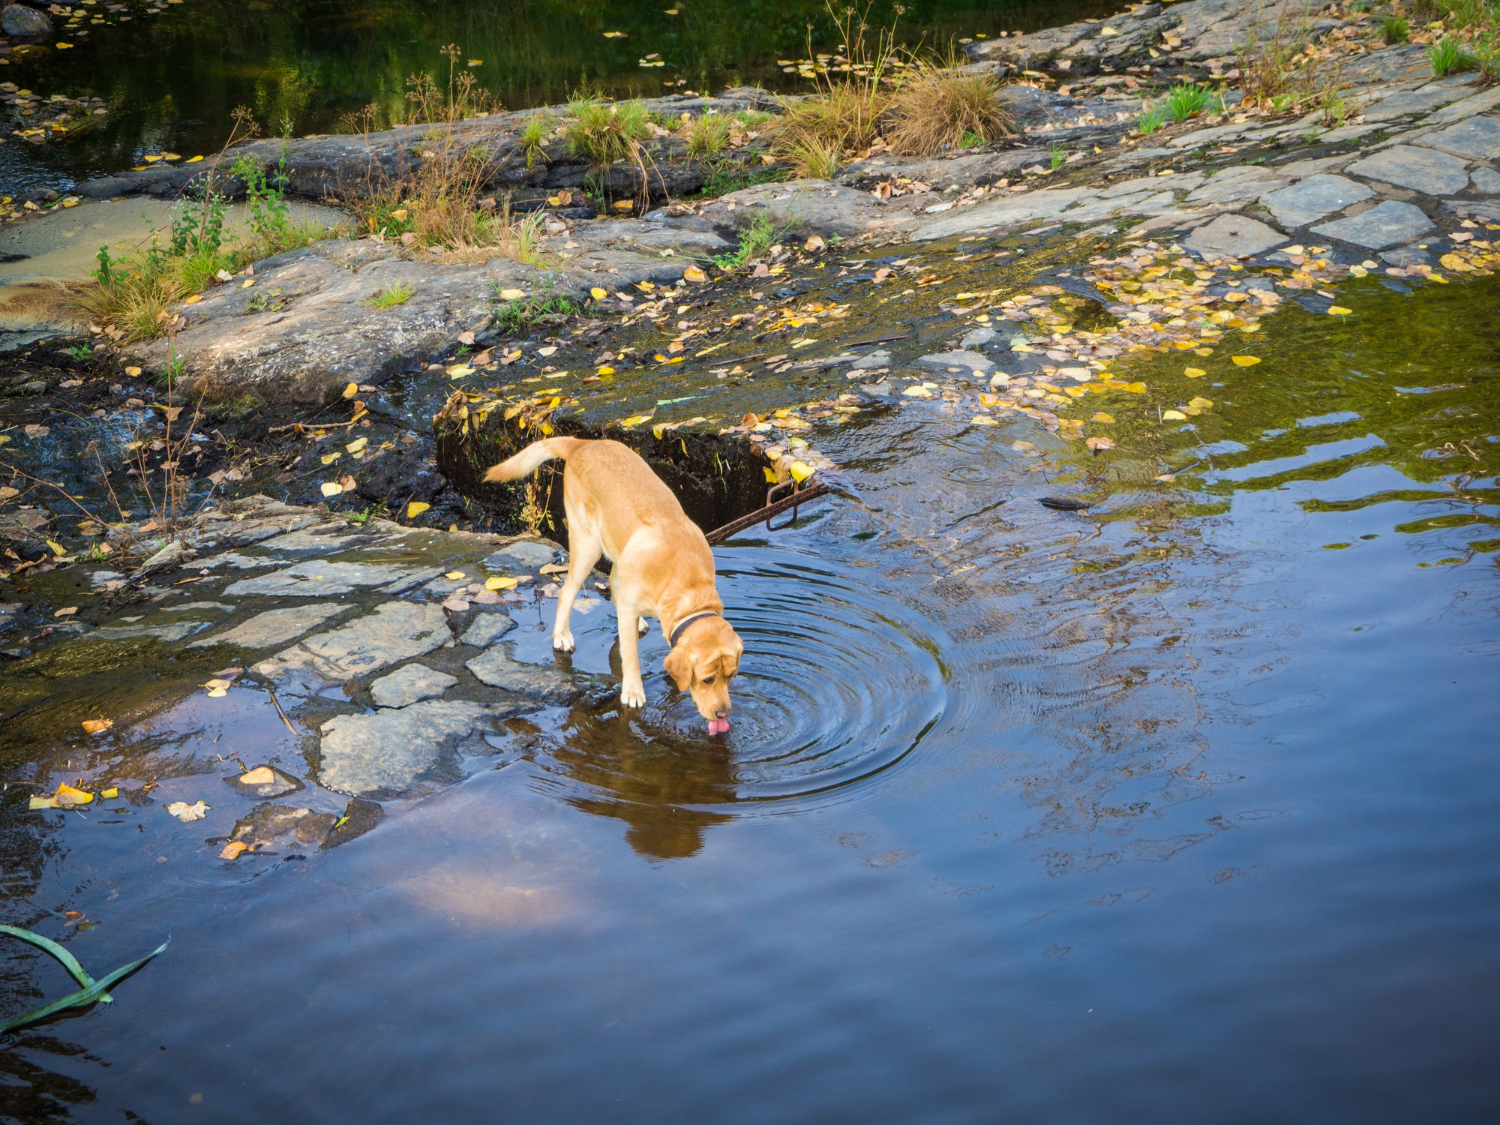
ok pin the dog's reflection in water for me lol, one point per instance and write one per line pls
(656, 784)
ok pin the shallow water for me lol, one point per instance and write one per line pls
(1182, 810)
(173, 78)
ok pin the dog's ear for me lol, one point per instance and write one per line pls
(679, 668)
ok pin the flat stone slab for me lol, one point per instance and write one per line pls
(1405, 102)
(396, 631)
(1236, 185)
(319, 578)
(320, 539)
(1486, 181)
(878, 358)
(1230, 236)
(388, 750)
(1023, 207)
(275, 626)
(496, 668)
(1477, 138)
(1314, 198)
(807, 207)
(526, 554)
(1420, 169)
(972, 362)
(978, 337)
(1383, 225)
(486, 629)
(410, 684)
(176, 631)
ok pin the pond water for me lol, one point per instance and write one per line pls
(1182, 810)
(173, 73)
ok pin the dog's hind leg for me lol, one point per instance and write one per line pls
(584, 549)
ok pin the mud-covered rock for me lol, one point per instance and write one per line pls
(271, 825)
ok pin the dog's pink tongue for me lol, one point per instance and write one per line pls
(718, 726)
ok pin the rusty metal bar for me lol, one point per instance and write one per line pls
(773, 508)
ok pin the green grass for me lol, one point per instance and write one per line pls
(1394, 29)
(391, 296)
(971, 139)
(1187, 99)
(514, 316)
(1059, 157)
(755, 240)
(753, 120)
(708, 135)
(604, 134)
(533, 134)
(722, 181)
(1151, 120)
(1450, 56)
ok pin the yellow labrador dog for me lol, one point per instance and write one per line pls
(663, 568)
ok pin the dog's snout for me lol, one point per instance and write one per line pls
(722, 713)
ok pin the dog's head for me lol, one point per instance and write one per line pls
(702, 662)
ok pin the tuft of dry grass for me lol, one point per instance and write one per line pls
(707, 136)
(937, 106)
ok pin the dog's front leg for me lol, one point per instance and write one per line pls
(632, 688)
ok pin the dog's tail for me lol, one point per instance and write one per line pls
(525, 462)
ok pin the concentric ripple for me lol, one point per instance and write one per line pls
(838, 683)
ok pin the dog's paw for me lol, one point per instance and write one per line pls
(563, 642)
(633, 696)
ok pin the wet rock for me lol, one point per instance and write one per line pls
(1478, 139)
(321, 539)
(270, 825)
(388, 750)
(316, 578)
(9, 615)
(275, 626)
(1420, 169)
(486, 629)
(410, 684)
(1313, 198)
(1412, 255)
(978, 337)
(174, 554)
(25, 22)
(496, 668)
(523, 554)
(396, 631)
(177, 631)
(808, 207)
(1230, 236)
(358, 818)
(210, 607)
(883, 389)
(1383, 225)
(25, 533)
(878, 358)
(972, 362)
(1013, 210)
(265, 782)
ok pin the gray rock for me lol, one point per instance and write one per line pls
(388, 750)
(486, 629)
(1230, 236)
(16, 19)
(280, 784)
(807, 207)
(1486, 181)
(236, 561)
(1412, 255)
(1012, 210)
(410, 684)
(883, 389)
(1477, 138)
(880, 357)
(496, 668)
(213, 607)
(396, 631)
(1313, 198)
(1405, 102)
(1475, 104)
(275, 626)
(978, 337)
(1420, 169)
(972, 362)
(1383, 225)
(359, 817)
(523, 554)
(320, 539)
(269, 825)
(176, 631)
(318, 578)
(1238, 185)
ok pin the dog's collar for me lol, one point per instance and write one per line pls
(686, 621)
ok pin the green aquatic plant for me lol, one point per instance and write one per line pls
(92, 992)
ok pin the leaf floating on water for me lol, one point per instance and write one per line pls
(234, 849)
(455, 575)
(917, 391)
(93, 990)
(67, 797)
(97, 726)
(41, 803)
(1099, 444)
(553, 568)
(1200, 403)
(1338, 310)
(982, 420)
(1173, 416)
(1245, 360)
(1107, 419)
(499, 582)
(186, 812)
(330, 458)
(1194, 372)
(416, 508)
(1061, 504)
(109, 794)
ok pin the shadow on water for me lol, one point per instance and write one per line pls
(1025, 815)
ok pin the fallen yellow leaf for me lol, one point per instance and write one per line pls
(331, 488)
(416, 508)
(194, 299)
(1107, 419)
(693, 273)
(351, 389)
(598, 294)
(132, 371)
(982, 420)
(234, 849)
(800, 470)
(109, 794)
(455, 575)
(1338, 310)
(97, 726)
(260, 775)
(1194, 372)
(606, 370)
(1173, 416)
(499, 583)
(512, 294)
(67, 797)
(1245, 360)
